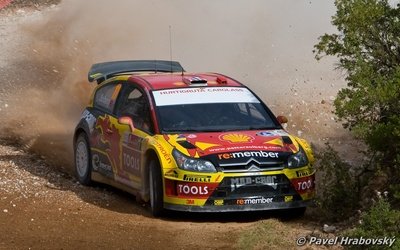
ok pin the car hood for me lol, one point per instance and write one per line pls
(250, 143)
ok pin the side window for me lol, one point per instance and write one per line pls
(106, 96)
(135, 105)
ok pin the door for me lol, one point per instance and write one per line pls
(134, 104)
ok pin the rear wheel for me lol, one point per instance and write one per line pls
(83, 163)
(156, 189)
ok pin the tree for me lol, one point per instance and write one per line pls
(367, 45)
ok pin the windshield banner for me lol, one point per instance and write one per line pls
(203, 95)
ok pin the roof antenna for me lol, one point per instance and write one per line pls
(170, 45)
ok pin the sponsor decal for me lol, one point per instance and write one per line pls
(255, 201)
(195, 190)
(190, 202)
(302, 173)
(218, 202)
(192, 190)
(197, 178)
(95, 162)
(236, 155)
(131, 163)
(272, 133)
(289, 198)
(199, 90)
(100, 166)
(245, 147)
(132, 141)
(265, 133)
(163, 152)
(192, 136)
(181, 91)
(89, 118)
(280, 132)
(304, 184)
(203, 95)
(236, 138)
(269, 180)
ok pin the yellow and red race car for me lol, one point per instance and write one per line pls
(198, 142)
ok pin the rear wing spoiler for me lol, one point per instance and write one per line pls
(101, 71)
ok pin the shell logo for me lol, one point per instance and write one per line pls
(236, 138)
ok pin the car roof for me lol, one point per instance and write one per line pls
(158, 81)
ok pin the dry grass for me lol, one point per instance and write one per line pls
(275, 235)
(268, 234)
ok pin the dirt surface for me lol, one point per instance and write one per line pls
(41, 204)
(43, 208)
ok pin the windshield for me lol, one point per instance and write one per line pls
(214, 117)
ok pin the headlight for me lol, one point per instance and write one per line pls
(191, 164)
(298, 160)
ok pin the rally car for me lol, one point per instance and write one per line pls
(199, 142)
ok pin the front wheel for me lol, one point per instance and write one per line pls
(83, 164)
(156, 189)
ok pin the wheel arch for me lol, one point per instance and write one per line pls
(78, 132)
(80, 128)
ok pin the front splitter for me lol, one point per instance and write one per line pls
(238, 208)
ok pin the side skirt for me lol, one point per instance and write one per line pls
(97, 177)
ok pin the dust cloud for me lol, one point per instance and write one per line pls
(266, 45)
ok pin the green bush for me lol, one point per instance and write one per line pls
(380, 221)
(337, 187)
(367, 45)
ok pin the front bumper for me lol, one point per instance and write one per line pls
(239, 192)
(237, 208)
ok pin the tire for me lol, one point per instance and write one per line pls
(83, 160)
(156, 189)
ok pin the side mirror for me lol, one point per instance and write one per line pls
(126, 120)
(282, 119)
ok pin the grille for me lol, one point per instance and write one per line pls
(271, 186)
